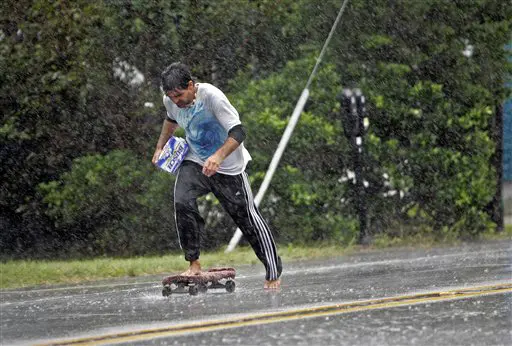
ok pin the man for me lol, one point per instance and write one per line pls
(216, 163)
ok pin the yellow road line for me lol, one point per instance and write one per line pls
(288, 315)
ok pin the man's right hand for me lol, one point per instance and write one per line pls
(156, 155)
(168, 128)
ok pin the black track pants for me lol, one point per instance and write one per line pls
(234, 194)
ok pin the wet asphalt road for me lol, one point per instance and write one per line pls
(45, 315)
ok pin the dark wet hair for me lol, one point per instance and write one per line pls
(176, 75)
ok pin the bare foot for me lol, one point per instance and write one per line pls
(194, 269)
(272, 285)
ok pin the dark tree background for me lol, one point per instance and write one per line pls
(81, 111)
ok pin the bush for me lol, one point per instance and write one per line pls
(114, 204)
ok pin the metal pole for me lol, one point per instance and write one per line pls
(358, 165)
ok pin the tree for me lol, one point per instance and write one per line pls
(433, 71)
(76, 78)
(80, 81)
(112, 205)
(60, 100)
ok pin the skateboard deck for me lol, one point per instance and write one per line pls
(212, 278)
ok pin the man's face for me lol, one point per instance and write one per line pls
(183, 97)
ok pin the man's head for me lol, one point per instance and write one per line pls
(178, 85)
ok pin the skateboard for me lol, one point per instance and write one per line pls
(212, 278)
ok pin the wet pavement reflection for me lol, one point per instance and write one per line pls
(36, 315)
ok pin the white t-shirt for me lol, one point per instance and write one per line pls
(206, 123)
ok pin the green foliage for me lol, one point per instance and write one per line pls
(437, 154)
(60, 100)
(69, 88)
(431, 109)
(305, 189)
(112, 204)
(263, 34)
(76, 136)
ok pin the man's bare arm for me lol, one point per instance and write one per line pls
(168, 128)
(213, 162)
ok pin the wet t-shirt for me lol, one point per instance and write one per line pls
(206, 123)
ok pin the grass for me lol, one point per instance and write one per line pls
(428, 239)
(29, 273)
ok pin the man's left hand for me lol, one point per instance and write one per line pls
(211, 165)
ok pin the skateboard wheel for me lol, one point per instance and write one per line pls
(166, 291)
(193, 290)
(202, 288)
(230, 286)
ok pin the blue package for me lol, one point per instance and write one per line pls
(172, 155)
